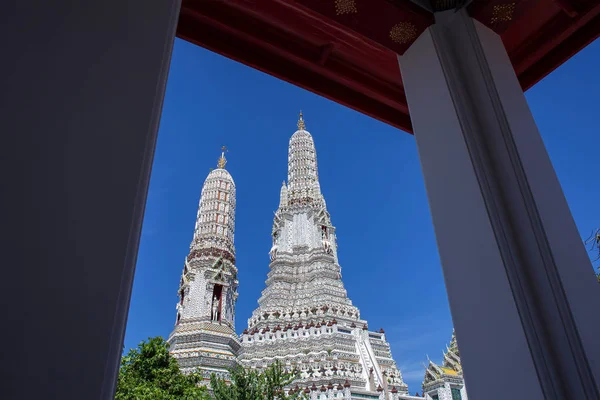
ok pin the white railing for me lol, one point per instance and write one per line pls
(366, 353)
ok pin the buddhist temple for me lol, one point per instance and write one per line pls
(84, 86)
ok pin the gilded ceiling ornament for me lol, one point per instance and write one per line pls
(503, 13)
(345, 7)
(404, 32)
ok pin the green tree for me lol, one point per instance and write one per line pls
(594, 242)
(251, 385)
(149, 372)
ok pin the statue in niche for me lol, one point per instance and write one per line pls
(327, 246)
(273, 251)
(325, 240)
(215, 309)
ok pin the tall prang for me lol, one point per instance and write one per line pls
(304, 318)
(204, 336)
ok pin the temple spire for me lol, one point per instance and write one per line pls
(222, 160)
(208, 285)
(301, 125)
(283, 197)
(303, 178)
(305, 296)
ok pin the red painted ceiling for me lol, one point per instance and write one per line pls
(345, 50)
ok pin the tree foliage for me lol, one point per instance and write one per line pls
(252, 385)
(594, 246)
(149, 372)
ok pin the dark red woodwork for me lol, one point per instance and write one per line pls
(346, 50)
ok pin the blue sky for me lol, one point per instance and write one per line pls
(371, 179)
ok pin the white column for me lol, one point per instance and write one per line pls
(314, 394)
(82, 86)
(463, 393)
(519, 282)
(347, 393)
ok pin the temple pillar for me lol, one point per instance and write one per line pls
(82, 91)
(518, 278)
(314, 394)
(347, 393)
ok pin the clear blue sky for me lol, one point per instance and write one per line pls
(371, 180)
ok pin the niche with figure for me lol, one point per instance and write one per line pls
(325, 239)
(215, 314)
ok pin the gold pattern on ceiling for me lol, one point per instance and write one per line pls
(404, 32)
(503, 13)
(345, 7)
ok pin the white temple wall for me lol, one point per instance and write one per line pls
(229, 308)
(463, 393)
(195, 305)
(445, 393)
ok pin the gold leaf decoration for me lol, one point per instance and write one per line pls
(503, 13)
(345, 7)
(403, 33)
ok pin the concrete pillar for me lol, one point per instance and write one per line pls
(519, 282)
(82, 86)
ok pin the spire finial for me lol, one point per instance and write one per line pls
(222, 160)
(301, 125)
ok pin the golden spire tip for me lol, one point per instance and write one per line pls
(301, 125)
(222, 160)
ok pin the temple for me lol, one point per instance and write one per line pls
(82, 131)
(204, 337)
(445, 382)
(304, 318)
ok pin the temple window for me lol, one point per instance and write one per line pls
(456, 394)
